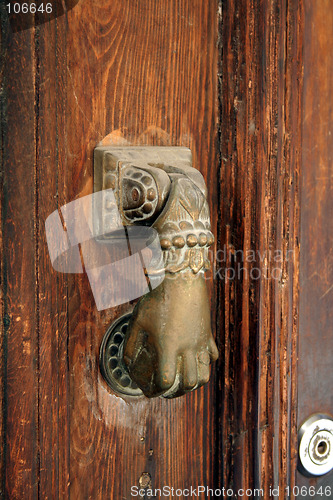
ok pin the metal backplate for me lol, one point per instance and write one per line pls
(137, 179)
(111, 360)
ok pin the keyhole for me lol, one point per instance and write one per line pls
(322, 448)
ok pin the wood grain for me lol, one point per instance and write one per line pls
(260, 97)
(151, 67)
(315, 376)
(20, 329)
(52, 287)
(147, 72)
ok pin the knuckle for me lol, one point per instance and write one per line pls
(165, 380)
(214, 353)
(190, 382)
(204, 375)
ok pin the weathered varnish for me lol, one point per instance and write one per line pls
(223, 78)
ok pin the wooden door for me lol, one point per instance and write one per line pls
(226, 80)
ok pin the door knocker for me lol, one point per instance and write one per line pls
(165, 346)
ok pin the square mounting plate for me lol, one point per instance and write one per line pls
(110, 165)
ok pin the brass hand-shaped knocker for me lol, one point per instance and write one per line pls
(164, 348)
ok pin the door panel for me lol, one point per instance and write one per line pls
(147, 73)
(224, 78)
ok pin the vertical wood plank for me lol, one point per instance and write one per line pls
(47, 288)
(315, 375)
(63, 161)
(52, 291)
(260, 91)
(20, 327)
(149, 72)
